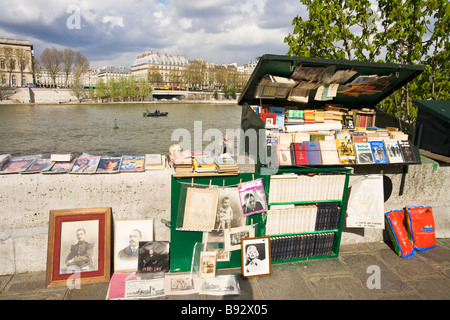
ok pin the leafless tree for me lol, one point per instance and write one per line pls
(68, 56)
(51, 60)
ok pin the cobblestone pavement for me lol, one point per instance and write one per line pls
(361, 272)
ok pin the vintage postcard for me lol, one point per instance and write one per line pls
(232, 238)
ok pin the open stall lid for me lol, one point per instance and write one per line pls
(395, 76)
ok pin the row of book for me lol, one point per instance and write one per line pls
(301, 245)
(289, 119)
(289, 188)
(187, 162)
(344, 151)
(84, 164)
(303, 218)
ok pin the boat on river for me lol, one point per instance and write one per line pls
(157, 113)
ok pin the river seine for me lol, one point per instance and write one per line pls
(88, 128)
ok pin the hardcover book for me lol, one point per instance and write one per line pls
(313, 152)
(284, 155)
(299, 153)
(378, 152)
(345, 151)
(363, 153)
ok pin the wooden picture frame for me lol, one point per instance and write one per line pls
(78, 230)
(255, 253)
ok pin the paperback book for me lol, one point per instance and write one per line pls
(407, 151)
(378, 152)
(345, 151)
(393, 151)
(363, 153)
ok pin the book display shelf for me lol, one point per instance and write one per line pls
(299, 110)
(306, 212)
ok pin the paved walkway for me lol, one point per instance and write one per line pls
(352, 276)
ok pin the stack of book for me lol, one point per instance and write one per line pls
(155, 161)
(226, 164)
(182, 162)
(203, 163)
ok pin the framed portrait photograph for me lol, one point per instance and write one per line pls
(127, 235)
(200, 209)
(79, 247)
(255, 257)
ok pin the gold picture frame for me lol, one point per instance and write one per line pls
(79, 247)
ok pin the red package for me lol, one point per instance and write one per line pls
(421, 226)
(397, 232)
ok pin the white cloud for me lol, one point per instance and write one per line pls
(113, 21)
(220, 31)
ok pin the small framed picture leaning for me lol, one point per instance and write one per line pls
(79, 245)
(255, 257)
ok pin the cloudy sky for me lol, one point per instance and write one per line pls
(113, 32)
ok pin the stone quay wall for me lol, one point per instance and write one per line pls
(26, 200)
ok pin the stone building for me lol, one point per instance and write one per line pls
(161, 70)
(16, 62)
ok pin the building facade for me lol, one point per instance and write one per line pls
(161, 70)
(16, 62)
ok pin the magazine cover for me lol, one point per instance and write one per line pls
(132, 164)
(61, 167)
(109, 164)
(86, 164)
(40, 165)
(19, 164)
(253, 199)
(153, 256)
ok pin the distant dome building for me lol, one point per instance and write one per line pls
(160, 69)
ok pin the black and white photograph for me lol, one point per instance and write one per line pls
(181, 283)
(220, 285)
(79, 246)
(79, 242)
(127, 235)
(256, 257)
(232, 238)
(141, 289)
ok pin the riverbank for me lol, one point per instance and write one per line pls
(65, 96)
